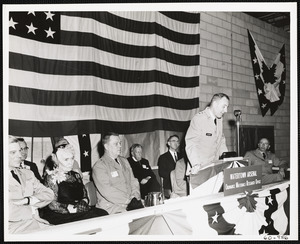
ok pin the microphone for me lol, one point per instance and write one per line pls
(237, 113)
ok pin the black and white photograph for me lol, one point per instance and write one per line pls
(150, 121)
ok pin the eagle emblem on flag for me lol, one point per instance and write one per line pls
(269, 81)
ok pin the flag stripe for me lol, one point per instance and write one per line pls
(90, 54)
(73, 98)
(192, 18)
(60, 67)
(130, 25)
(138, 51)
(128, 72)
(89, 83)
(88, 112)
(178, 21)
(41, 128)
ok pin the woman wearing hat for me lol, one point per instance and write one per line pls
(61, 143)
(71, 202)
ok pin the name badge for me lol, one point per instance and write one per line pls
(114, 174)
(144, 166)
(270, 161)
(208, 134)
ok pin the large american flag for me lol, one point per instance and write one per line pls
(74, 73)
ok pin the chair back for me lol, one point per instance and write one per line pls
(173, 180)
(162, 184)
(92, 192)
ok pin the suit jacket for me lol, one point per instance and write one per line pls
(32, 166)
(115, 183)
(255, 157)
(166, 164)
(180, 186)
(141, 169)
(30, 186)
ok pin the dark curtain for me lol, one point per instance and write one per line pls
(251, 134)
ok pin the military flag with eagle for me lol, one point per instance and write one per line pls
(270, 82)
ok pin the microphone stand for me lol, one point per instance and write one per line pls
(237, 114)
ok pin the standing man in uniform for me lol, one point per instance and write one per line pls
(205, 140)
(166, 163)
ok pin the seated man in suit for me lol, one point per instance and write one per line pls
(262, 156)
(166, 163)
(25, 194)
(142, 171)
(27, 164)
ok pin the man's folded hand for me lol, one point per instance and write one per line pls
(134, 204)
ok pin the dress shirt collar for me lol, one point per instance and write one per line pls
(264, 154)
(173, 154)
(22, 164)
(135, 160)
(211, 114)
(113, 158)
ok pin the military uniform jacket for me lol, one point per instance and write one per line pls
(255, 157)
(30, 186)
(116, 184)
(205, 140)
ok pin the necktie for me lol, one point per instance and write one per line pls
(175, 156)
(215, 121)
(15, 176)
(264, 155)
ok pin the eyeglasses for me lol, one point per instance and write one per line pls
(174, 141)
(24, 149)
(62, 146)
